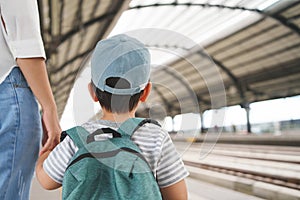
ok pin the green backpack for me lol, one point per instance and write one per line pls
(109, 169)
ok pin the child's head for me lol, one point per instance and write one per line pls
(120, 69)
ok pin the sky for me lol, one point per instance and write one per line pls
(260, 112)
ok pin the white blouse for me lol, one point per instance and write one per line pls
(20, 35)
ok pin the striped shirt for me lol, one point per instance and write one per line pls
(154, 143)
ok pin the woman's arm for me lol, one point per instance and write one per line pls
(34, 70)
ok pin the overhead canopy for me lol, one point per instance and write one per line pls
(71, 29)
(251, 49)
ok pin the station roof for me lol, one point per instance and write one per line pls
(206, 53)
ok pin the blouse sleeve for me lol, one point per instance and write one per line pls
(22, 27)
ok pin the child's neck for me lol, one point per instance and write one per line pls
(117, 117)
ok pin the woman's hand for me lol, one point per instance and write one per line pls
(51, 130)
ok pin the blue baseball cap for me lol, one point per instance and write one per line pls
(124, 57)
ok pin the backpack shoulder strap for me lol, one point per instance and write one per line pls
(132, 124)
(78, 134)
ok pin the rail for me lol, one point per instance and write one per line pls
(277, 165)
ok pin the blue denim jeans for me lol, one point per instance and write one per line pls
(20, 134)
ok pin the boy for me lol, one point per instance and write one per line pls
(120, 69)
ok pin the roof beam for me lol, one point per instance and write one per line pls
(278, 71)
(164, 100)
(259, 58)
(255, 47)
(96, 4)
(219, 64)
(104, 28)
(76, 29)
(61, 13)
(237, 83)
(191, 93)
(108, 15)
(50, 17)
(204, 5)
(77, 21)
(240, 41)
(55, 20)
(294, 17)
(285, 22)
(56, 41)
(78, 56)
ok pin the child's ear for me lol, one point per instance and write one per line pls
(92, 92)
(146, 92)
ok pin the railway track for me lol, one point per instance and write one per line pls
(275, 165)
(281, 181)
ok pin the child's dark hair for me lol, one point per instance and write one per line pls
(117, 103)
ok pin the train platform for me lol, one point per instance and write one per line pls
(264, 171)
(284, 139)
(251, 187)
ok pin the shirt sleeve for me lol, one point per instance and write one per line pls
(21, 18)
(170, 169)
(57, 162)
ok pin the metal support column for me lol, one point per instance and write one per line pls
(246, 106)
(202, 123)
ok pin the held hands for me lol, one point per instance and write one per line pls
(51, 130)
